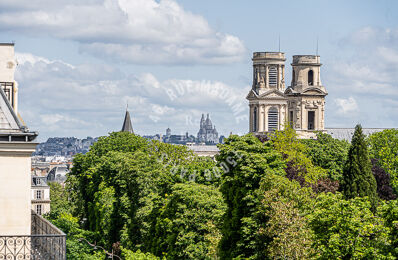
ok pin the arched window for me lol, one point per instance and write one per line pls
(310, 77)
(255, 119)
(272, 119)
(272, 76)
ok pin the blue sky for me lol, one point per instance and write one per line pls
(82, 61)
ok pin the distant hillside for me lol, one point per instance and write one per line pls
(64, 146)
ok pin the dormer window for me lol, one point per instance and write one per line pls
(310, 77)
(272, 76)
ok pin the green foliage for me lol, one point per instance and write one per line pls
(294, 151)
(122, 184)
(163, 199)
(328, 153)
(389, 212)
(284, 230)
(358, 179)
(59, 200)
(347, 229)
(76, 249)
(188, 224)
(244, 160)
(383, 146)
(137, 255)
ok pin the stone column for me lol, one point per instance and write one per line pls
(266, 118)
(261, 119)
(279, 117)
(251, 119)
(266, 76)
(278, 73)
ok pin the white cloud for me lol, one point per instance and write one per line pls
(368, 73)
(60, 99)
(346, 106)
(139, 31)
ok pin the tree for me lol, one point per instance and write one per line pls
(189, 222)
(59, 201)
(122, 183)
(358, 179)
(244, 160)
(328, 153)
(389, 212)
(384, 189)
(347, 229)
(75, 248)
(383, 147)
(294, 152)
(284, 232)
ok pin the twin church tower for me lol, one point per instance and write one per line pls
(272, 105)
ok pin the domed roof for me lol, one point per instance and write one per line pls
(58, 174)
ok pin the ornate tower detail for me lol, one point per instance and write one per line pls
(306, 95)
(266, 98)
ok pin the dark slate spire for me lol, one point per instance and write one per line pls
(127, 126)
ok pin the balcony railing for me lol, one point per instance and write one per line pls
(45, 242)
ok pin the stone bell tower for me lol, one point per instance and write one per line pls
(306, 96)
(267, 102)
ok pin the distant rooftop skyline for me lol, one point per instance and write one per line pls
(172, 60)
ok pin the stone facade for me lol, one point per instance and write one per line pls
(302, 104)
(16, 146)
(40, 195)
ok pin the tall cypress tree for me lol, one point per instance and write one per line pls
(358, 179)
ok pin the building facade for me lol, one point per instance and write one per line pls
(16, 146)
(40, 195)
(272, 105)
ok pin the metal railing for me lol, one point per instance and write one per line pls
(45, 242)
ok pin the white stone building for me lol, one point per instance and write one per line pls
(16, 146)
(272, 105)
(40, 195)
(23, 233)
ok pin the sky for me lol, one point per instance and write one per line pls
(82, 62)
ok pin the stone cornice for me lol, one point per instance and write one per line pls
(17, 148)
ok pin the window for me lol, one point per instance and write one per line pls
(38, 181)
(272, 76)
(38, 194)
(311, 77)
(272, 119)
(8, 88)
(311, 120)
(255, 119)
(38, 209)
(291, 119)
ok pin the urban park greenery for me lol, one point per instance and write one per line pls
(261, 198)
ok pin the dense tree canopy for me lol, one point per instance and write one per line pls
(271, 199)
(347, 229)
(187, 226)
(383, 147)
(328, 153)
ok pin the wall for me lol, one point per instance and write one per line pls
(15, 196)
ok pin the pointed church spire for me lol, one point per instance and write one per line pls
(127, 126)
